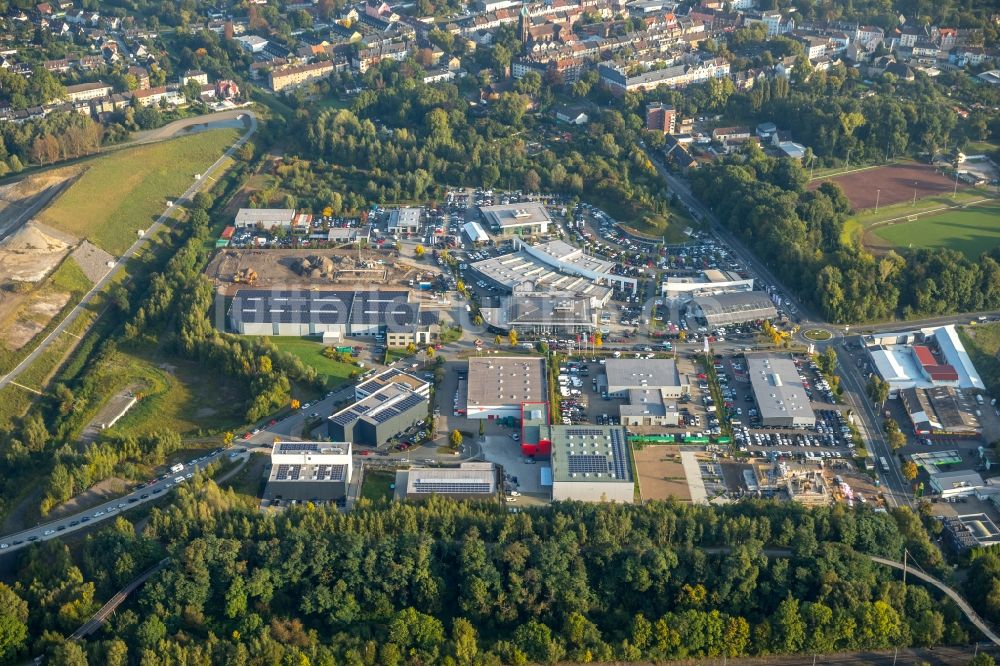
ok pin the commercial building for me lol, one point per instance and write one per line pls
(649, 407)
(82, 92)
(923, 358)
(379, 416)
(706, 282)
(521, 219)
(468, 481)
(545, 312)
(520, 272)
(781, 398)
(661, 117)
(970, 531)
(391, 376)
(339, 313)
(404, 221)
(265, 218)
(941, 410)
(475, 232)
(309, 471)
(626, 374)
(733, 308)
(297, 75)
(591, 464)
(499, 386)
(956, 483)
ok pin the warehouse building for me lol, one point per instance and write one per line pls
(404, 221)
(498, 386)
(626, 374)
(733, 308)
(956, 483)
(704, 283)
(942, 411)
(520, 272)
(970, 531)
(591, 464)
(924, 358)
(264, 218)
(337, 313)
(781, 398)
(309, 471)
(467, 481)
(542, 312)
(649, 407)
(379, 416)
(517, 219)
(391, 376)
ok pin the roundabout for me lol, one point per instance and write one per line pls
(817, 335)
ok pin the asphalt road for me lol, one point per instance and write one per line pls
(151, 491)
(131, 252)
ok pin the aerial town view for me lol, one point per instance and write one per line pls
(489, 332)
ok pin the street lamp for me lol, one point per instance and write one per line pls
(878, 193)
(914, 194)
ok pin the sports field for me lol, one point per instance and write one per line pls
(125, 191)
(890, 184)
(971, 230)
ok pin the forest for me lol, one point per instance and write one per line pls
(798, 233)
(468, 583)
(406, 141)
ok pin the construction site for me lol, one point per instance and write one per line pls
(232, 269)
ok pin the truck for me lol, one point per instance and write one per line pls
(176, 468)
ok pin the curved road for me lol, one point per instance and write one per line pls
(148, 492)
(251, 123)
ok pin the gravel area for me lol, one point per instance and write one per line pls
(93, 260)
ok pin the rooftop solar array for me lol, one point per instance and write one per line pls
(288, 472)
(585, 432)
(297, 447)
(325, 307)
(619, 463)
(381, 406)
(453, 486)
(587, 463)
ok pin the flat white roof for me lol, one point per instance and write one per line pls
(954, 351)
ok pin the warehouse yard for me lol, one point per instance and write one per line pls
(286, 269)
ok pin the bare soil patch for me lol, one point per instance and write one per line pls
(890, 184)
(661, 474)
(30, 253)
(97, 494)
(282, 269)
(33, 318)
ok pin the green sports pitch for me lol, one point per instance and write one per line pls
(971, 230)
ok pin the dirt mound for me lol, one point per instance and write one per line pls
(30, 254)
(313, 266)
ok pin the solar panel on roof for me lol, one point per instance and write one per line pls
(582, 463)
(618, 451)
(291, 447)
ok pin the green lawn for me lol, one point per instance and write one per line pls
(971, 230)
(127, 190)
(310, 351)
(378, 485)
(177, 394)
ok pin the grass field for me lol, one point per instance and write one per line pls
(971, 230)
(378, 485)
(310, 351)
(125, 191)
(179, 395)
